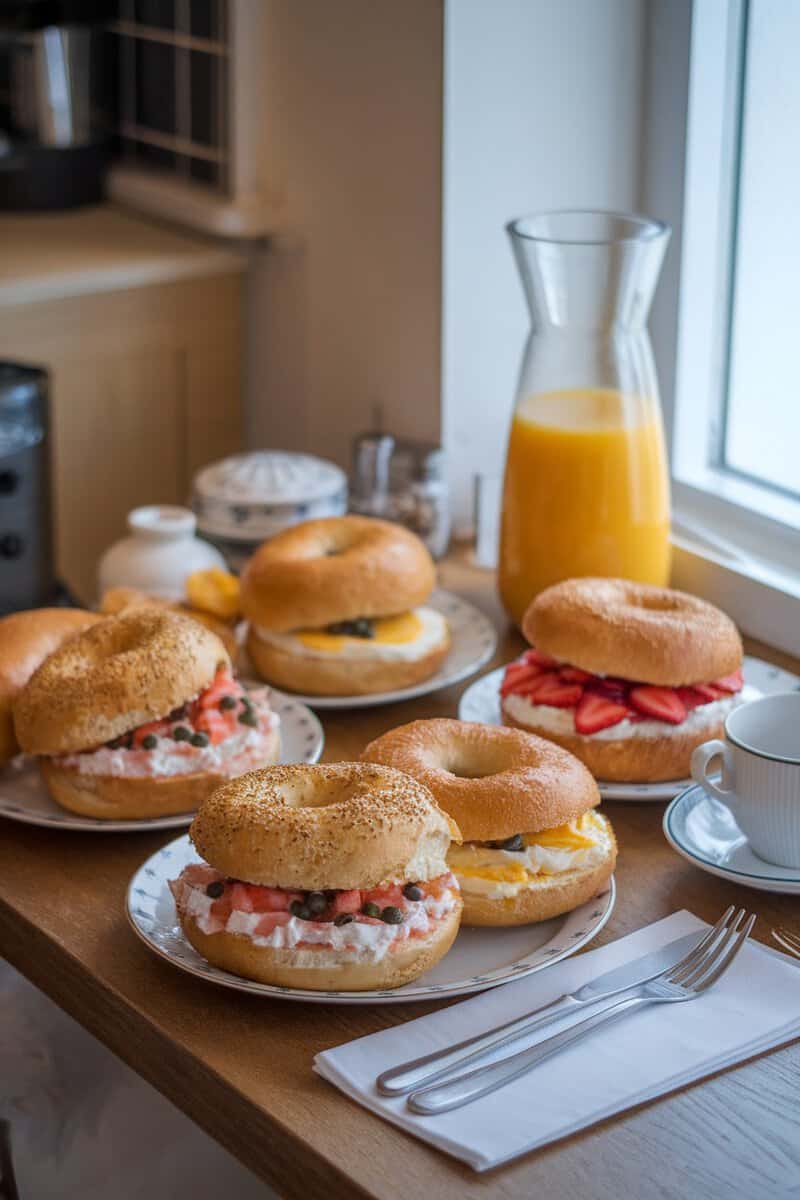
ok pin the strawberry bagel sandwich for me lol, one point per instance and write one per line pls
(327, 877)
(629, 678)
(139, 716)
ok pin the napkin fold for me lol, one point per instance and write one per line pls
(753, 1008)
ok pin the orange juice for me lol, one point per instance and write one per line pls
(586, 493)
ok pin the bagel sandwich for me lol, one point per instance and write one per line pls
(329, 877)
(336, 607)
(26, 639)
(534, 847)
(139, 716)
(629, 678)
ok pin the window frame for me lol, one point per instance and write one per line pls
(736, 541)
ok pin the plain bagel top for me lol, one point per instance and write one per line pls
(26, 639)
(635, 631)
(114, 676)
(335, 569)
(337, 825)
(492, 780)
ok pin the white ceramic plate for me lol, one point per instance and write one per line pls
(479, 959)
(481, 702)
(703, 831)
(474, 640)
(23, 796)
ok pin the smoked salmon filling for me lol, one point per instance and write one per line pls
(315, 919)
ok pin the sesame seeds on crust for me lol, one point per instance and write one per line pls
(116, 675)
(339, 825)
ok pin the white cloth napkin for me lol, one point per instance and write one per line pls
(654, 1050)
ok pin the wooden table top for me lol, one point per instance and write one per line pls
(241, 1066)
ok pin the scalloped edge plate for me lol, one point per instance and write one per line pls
(481, 958)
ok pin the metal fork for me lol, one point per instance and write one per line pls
(417, 1073)
(676, 984)
(789, 941)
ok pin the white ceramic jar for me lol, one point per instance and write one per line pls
(243, 500)
(159, 554)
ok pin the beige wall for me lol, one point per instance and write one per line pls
(344, 303)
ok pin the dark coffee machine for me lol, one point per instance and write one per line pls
(26, 543)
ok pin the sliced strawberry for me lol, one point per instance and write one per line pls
(549, 689)
(663, 703)
(270, 921)
(540, 659)
(708, 692)
(345, 902)
(596, 712)
(614, 689)
(518, 675)
(575, 675)
(691, 698)
(730, 683)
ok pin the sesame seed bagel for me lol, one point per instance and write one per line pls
(615, 627)
(26, 639)
(114, 676)
(335, 569)
(333, 826)
(493, 781)
(320, 970)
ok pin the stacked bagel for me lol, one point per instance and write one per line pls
(321, 877)
(336, 607)
(628, 677)
(139, 716)
(533, 846)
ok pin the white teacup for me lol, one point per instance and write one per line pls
(760, 774)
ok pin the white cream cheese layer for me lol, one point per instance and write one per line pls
(242, 751)
(432, 633)
(562, 720)
(354, 942)
(476, 866)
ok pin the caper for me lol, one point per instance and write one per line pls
(370, 910)
(149, 742)
(392, 915)
(361, 627)
(511, 843)
(412, 891)
(343, 919)
(316, 902)
(248, 717)
(198, 739)
(227, 703)
(181, 734)
(215, 889)
(295, 907)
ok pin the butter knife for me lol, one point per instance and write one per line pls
(409, 1076)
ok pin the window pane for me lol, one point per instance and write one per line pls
(763, 426)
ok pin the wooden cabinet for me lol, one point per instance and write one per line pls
(140, 328)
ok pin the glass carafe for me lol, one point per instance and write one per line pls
(586, 487)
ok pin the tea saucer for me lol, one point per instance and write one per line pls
(703, 831)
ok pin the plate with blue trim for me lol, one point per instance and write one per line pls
(479, 959)
(24, 797)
